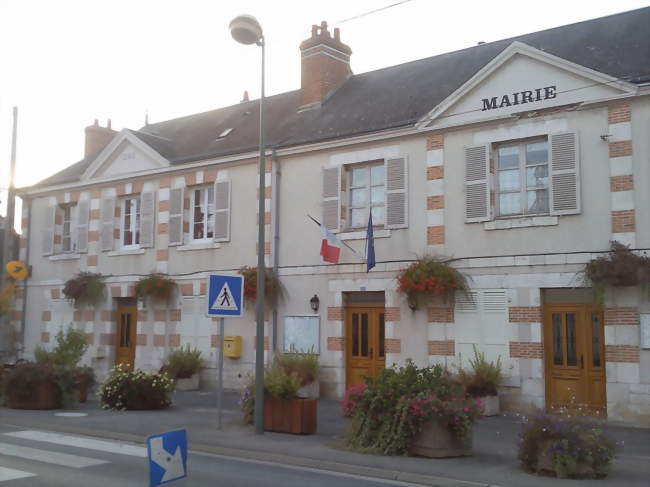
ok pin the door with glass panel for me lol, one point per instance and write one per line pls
(365, 333)
(125, 335)
(575, 357)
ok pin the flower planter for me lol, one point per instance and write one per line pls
(296, 416)
(83, 385)
(309, 391)
(490, 405)
(188, 383)
(45, 395)
(437, 441)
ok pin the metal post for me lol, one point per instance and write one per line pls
(220, 386)
(8, 250)
(259, 301)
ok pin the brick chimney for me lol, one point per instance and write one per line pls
(325, 65)
(98, 137)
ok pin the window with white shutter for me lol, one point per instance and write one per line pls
(107, 218)
(222, 211)
(202, 217)
(396, 193)
(147, 218)
(332, 198)
(565, 174)
(82, 225)
(131, 222)
(477, 184)
(48, 230)
(176, 216)
(367, 183)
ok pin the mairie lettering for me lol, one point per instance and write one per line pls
(520, 97)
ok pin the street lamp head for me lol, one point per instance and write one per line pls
(245, 29)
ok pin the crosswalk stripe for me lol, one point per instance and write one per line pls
(63, 459)
(11, 474)
(81, 442)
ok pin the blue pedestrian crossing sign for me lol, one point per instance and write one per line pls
(225, 295)
(167, 457)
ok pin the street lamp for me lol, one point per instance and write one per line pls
(245, 29)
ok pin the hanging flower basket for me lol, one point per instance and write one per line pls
(86, 288)
(428, 278)
(272, 286)
(155, 286)
(620, 267)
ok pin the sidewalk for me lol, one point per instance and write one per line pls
(494, 461)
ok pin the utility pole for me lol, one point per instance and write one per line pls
(7, 251)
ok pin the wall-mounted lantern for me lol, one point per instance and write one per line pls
(314, 302)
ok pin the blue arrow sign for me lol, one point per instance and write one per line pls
(167, 457)
(225, 295)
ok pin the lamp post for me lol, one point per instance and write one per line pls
(245, 29)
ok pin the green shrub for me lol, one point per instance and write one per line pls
(303, 365)
(124, 389)
(19, 382)
(68, 351)
(87, 373)
(395, 406)
(184, 363)
(485, 377)
(565, 445)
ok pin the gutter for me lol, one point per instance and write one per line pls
(23, 318)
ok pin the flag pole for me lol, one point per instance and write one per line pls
(354, 251)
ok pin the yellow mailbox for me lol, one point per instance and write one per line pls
(232, 346)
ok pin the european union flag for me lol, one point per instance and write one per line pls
(370, 245)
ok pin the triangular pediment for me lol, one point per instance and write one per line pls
(522, 78)
(126, 154)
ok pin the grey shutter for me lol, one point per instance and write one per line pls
(48, 230)
(107, 218)
(397, 193)
(332, 198)
(82, 225)
(477, 184)
(147, 218)
(222, 211)
(176, 216)
(564, 171)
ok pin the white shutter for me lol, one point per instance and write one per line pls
(332, 198)
(564, 171)
(107, 218)
(176, 216)
(48, 230)
(397, 193)
(83, 208)
(147, 218)
(222, 211)
(477, 184)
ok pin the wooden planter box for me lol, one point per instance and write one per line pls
(297, 416)
(188, 383)
(45, 395)
(436, 441)
(83, 384)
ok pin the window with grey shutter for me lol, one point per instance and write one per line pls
(222, 211)
(107, 217)
(48, 230)
(82, 225)
(332, 198)
(176, 216)
(565, 174)
(397, 193)
(477, 184)
(147, 218)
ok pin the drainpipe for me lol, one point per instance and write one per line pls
(276, 244)
(23, 318)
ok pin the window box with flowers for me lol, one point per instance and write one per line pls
(156, 287)
(86, 288)
(428, 278)
(273, 289)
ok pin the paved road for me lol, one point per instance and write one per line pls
(32, 458)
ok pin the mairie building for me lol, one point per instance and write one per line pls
(521, 159)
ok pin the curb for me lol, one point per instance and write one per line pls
(261, 456)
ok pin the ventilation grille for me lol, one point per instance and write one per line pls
(467, 302)
(494, 301)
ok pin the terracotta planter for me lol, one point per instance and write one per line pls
(437, 441)
(490, 405)
(296, 416)
(83, 384)
(188, 384)
(45, 395)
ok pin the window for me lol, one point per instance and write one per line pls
(66, 229)
(366, 194)
(131, 222)
(203, 213)
(522, 178)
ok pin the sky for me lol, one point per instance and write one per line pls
(65, 63)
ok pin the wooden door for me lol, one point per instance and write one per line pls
(575, 357)
(125, 335)
(364, 339)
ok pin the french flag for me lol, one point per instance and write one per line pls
(330, 248)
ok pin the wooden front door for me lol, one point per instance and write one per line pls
(125, 335)
(364, 339)
(574, 352)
